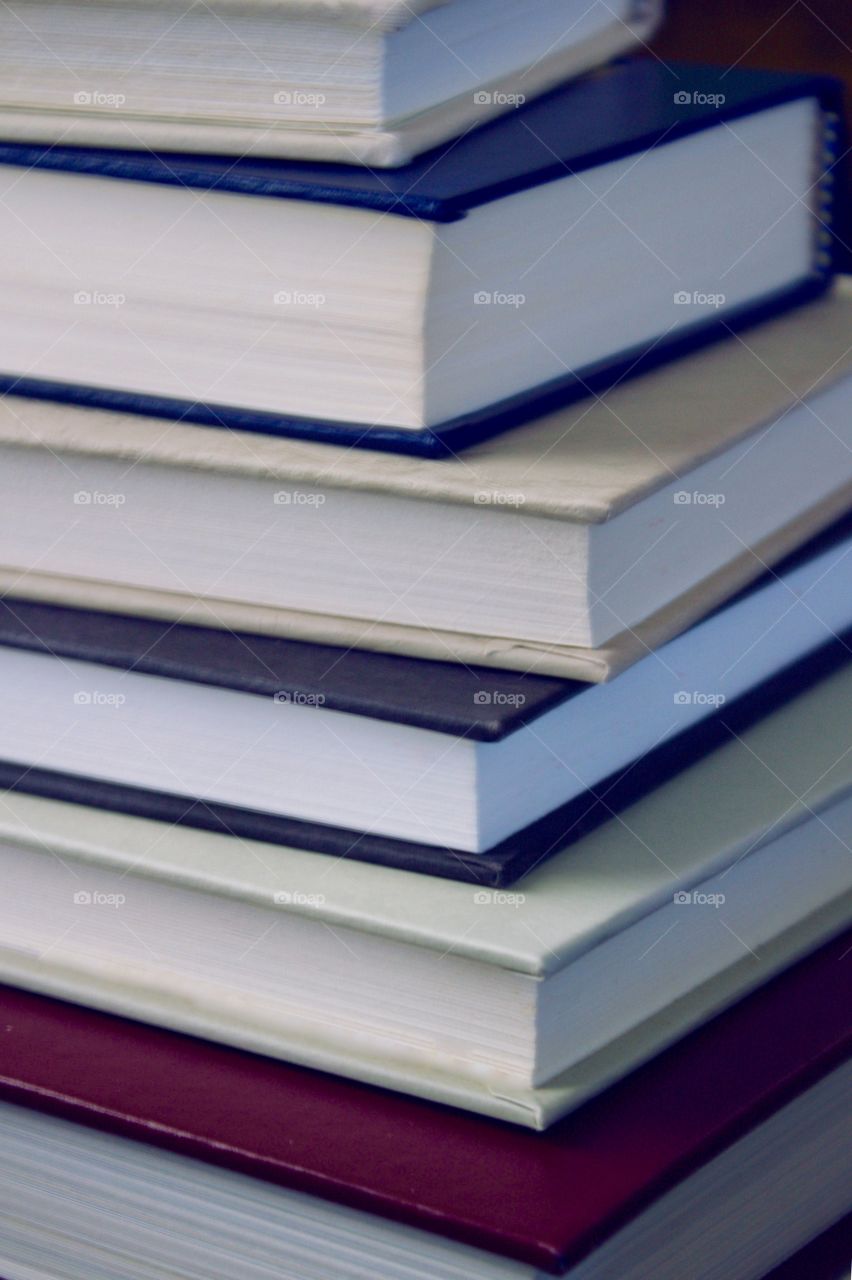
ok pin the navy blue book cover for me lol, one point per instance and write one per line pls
(622, 111)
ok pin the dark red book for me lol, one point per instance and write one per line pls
(549, 1201)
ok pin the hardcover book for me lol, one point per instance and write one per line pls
(371, 82)
(429, 307)
(434, 767)
(573, 546)
(500, 1002)
(223, 1164)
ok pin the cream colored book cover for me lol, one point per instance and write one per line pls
(695, 895)
(658, 438)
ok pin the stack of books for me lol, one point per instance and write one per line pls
(425, 641)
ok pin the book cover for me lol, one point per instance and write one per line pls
(476, 705)
(466, 95)
(545, 1199)
(676, 839)
(577, 465)
(628, 110)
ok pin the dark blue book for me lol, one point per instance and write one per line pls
(607, 226)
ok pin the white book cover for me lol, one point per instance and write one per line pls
(610, 951)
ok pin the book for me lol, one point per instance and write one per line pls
(425, 308)
(433, 767)
(501, 1002)
(571, 547)
(825, 1258)
(355, 82)
(221, 1163)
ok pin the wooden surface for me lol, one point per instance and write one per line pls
(805, 35)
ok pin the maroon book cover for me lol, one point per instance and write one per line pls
(545, 1199)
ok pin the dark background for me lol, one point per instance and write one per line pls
(800, 35)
